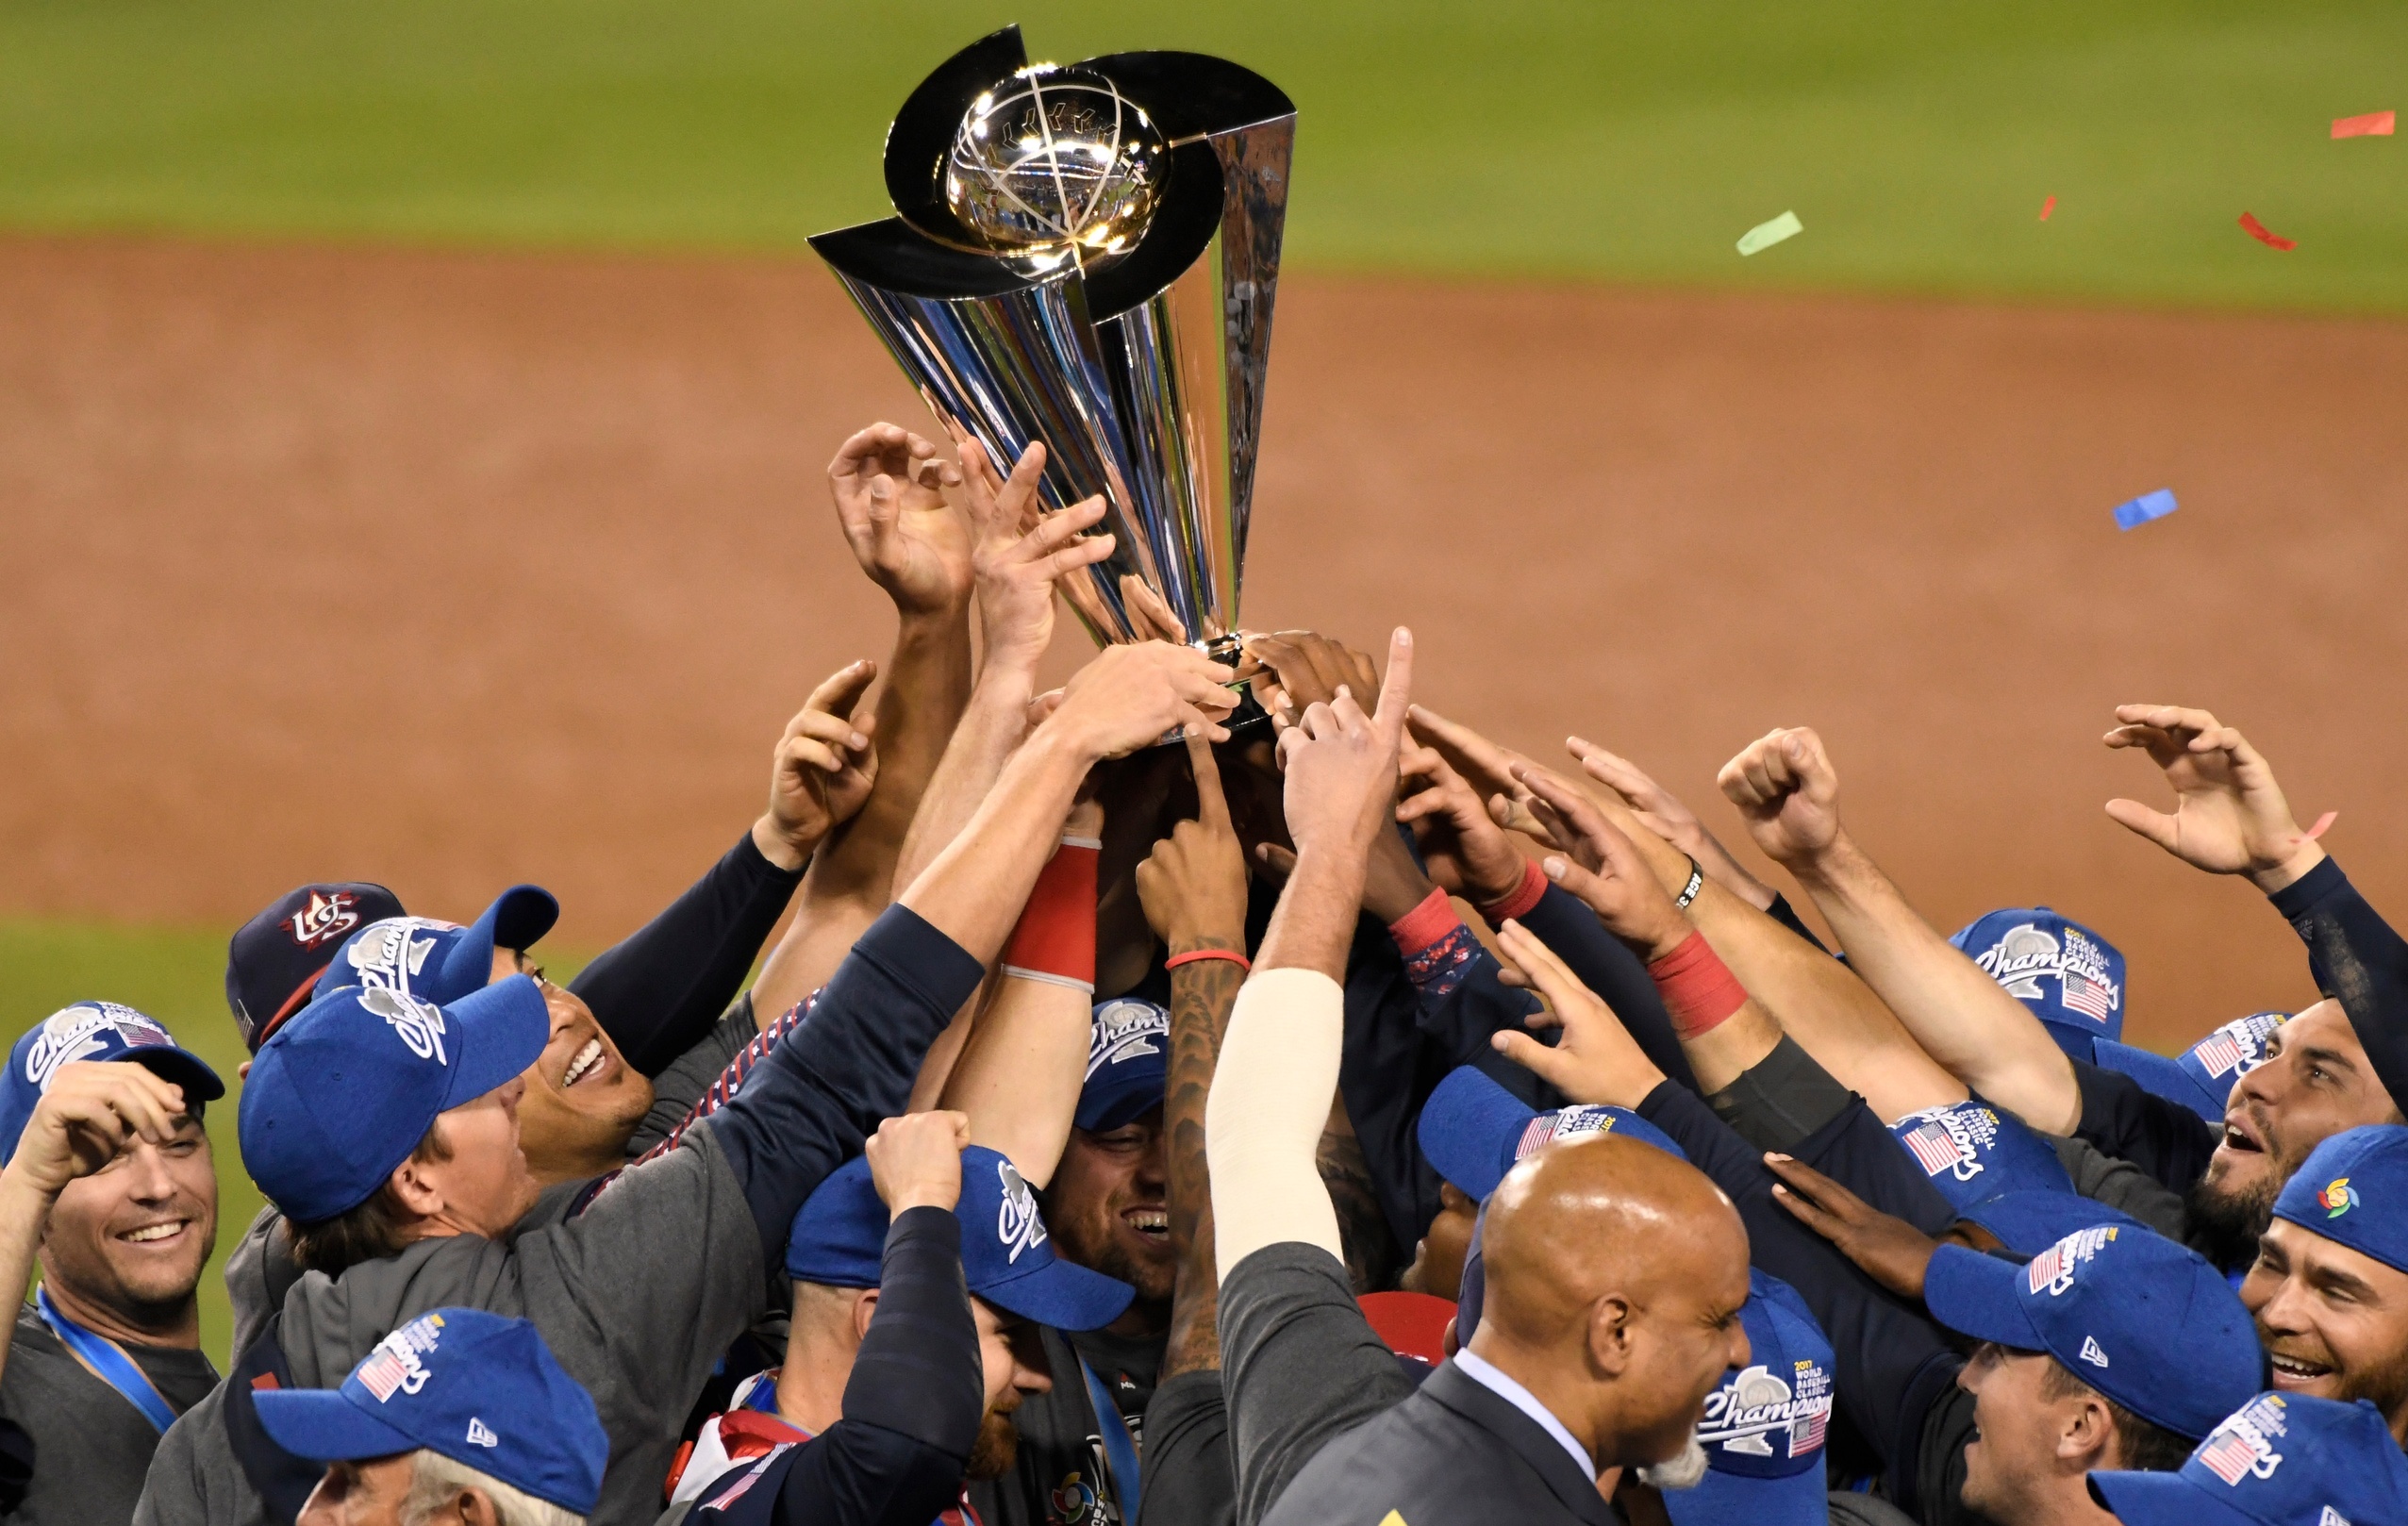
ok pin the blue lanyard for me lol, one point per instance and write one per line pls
(108, 1361)
(1119, 1453)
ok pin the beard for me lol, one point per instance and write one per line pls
(998, 1444)
(1685, 1471)
(2226, 1226)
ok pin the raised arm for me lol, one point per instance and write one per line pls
(888, 484)
(1788, 793)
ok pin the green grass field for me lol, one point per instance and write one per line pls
(179, 978)
(1622, 138)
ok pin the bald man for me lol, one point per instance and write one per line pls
(1616, 1278)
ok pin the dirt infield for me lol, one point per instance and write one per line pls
(450, 570)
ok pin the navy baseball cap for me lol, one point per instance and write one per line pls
(1473, 1131)
(840, 1241)
(440, 961)
(2146, 1321)
(274, 961)
(2281, 1460)
(1128, 1059)
(2070, 977)
(2354, 1190)
(1764, 1428)
(476, 1387)
(343, 1093)
(1972, 1151)
(2200, 1078)
(94, 1031)
(2030, 1222)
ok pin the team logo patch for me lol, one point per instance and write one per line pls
(1949, 1140)
(1564, 1124)
(2337, 1198)
(2093, 1353)
(1016, 1221)
(2027, 955)
(420, 1023)
(324, 919)
(1125, 1030)
(392, 952)
(1755, 1403)
(2331, 1518)
(80, 1032)
(1075, 1502)
(481, 1435)
(394, 1366)
(2054, 1269)
(2245, 1446)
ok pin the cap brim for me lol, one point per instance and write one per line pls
(182, 1067)
(502, 1029)
(2164, 1500)
(1736, 1500)
(517, 918)
(1974, 1295)
(322, 1424)
(1060, 1294)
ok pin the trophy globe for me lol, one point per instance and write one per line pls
(1056, 164)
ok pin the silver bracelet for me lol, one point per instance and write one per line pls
(1689, 891)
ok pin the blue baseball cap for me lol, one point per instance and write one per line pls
(2200, 1078)
(476, 1387)
(1128, 1061)
(1764, 1428)
(1473, 1131)
(2070, 977)
(2030, 1222)
(440, 961)
(2281, 1460)
(274, 961)
(840, 1241)
(346, 1091)
(1972, 1151)
(94, 1031)
(2146, 1321)
(2353, 1191)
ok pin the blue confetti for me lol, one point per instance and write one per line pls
(2153, 506)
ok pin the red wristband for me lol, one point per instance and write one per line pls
(1055, 939)
(1193, 955)
(1699, 990)
(1432, 920)
(1526, 895)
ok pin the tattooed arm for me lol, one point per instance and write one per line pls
(1193, 888)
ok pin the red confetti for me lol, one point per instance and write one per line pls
(2047, 207)
(2328, 817)
(2265, 236)
(2373, 125)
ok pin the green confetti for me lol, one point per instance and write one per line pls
(1765, 235)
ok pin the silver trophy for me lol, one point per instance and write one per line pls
(1085, 254)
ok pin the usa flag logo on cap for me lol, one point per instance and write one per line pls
(2244, 1445)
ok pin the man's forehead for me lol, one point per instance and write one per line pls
(2312, 1256)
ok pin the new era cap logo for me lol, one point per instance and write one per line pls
(1016, 1221)
(481, 1435)
(2092, 1354)
(2331, 1518)
(420, 1023)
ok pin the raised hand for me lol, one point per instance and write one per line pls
(1606, 871)
(889, 486)
(2230, 816)
(1891, 1252)
(93, 1109)
(1133, 696)
(1661, 812)
(1787, 792)
(914, 1160)
(1305, 669)
(1464, 850)
(1596, 1060)
(822, 770)
(1193, 885)
(1149, 616)
(1020, 553)
(1340, 763)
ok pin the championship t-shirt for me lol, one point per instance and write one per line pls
(92, 1448)
(1062, 1476)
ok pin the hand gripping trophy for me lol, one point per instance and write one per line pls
(1085, 254)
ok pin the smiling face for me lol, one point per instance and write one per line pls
(2334, 1321)
(2028, 1439)
(131, 1237)
(582, 1099)
(2314, 1082)
(1108, 1209)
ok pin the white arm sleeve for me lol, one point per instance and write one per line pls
(1263, 1120)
